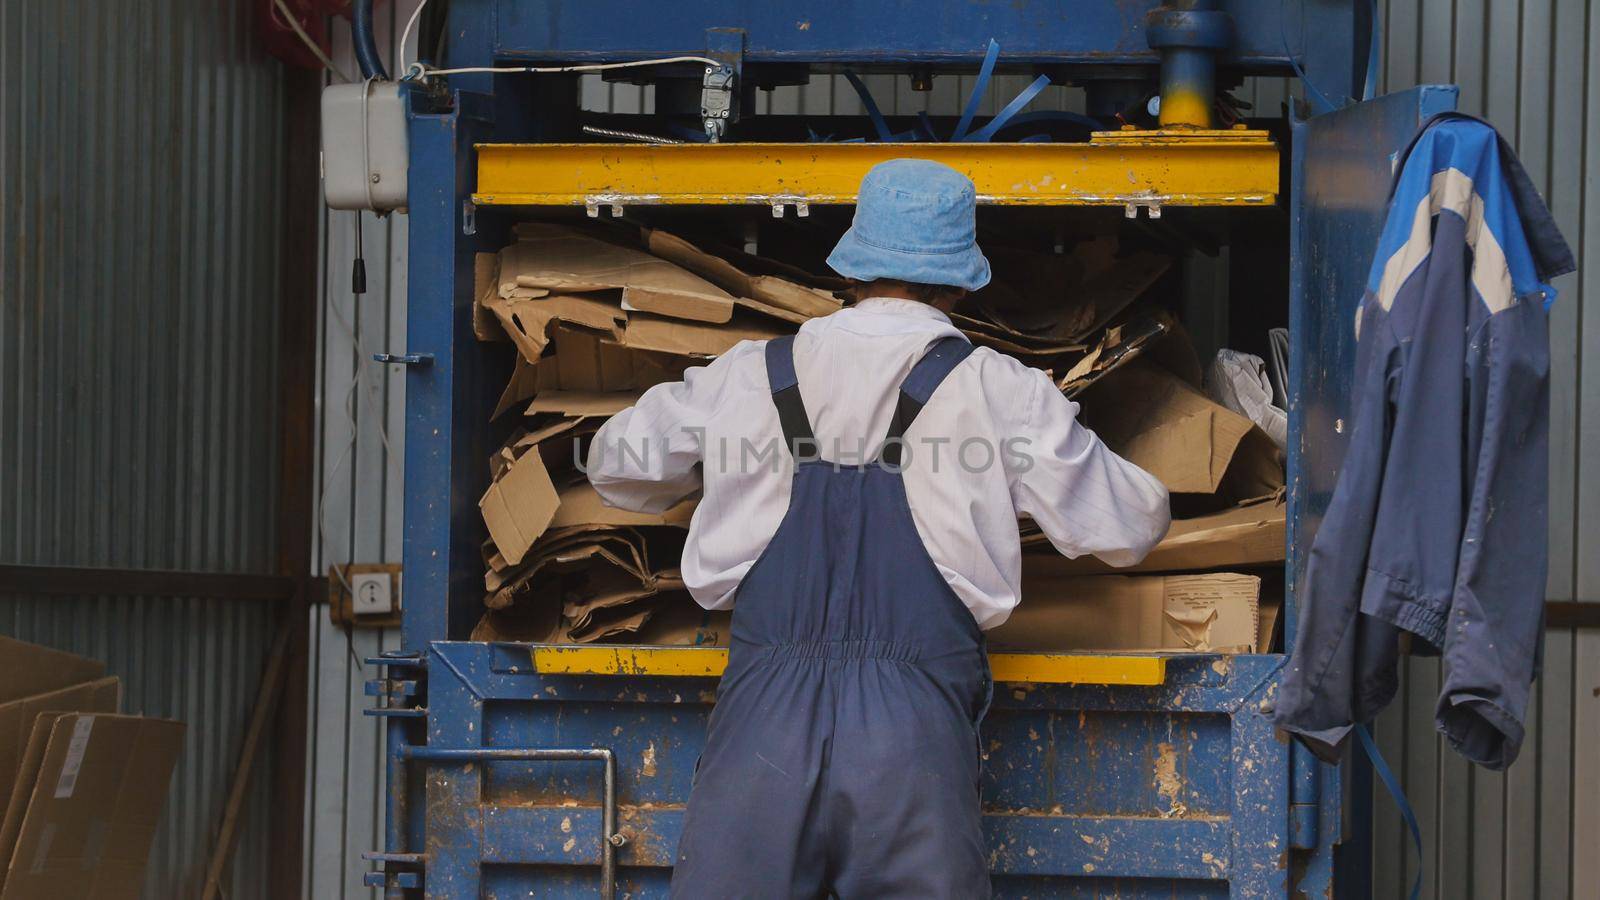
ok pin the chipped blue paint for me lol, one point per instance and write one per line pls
(1182, 785)
(1340, 190)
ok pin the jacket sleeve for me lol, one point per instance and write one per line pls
(647, 457)
(1320, 696)
(1496, 617)
(1084, 497)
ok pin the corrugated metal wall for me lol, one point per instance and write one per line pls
(140, 211)
(1531, 832)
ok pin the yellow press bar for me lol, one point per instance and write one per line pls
(1036, 668)
(1116, 168)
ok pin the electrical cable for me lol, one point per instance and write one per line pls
(405, 38)
(364, 43)
(292, 22)
(419, 71)
(347, 406)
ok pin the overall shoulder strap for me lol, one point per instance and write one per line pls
(925, 378)
(785, 385)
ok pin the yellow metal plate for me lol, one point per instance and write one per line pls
(1036, 668)
(1145, 168)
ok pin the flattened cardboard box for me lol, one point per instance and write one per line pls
(27, 669)
(1201, 613)
(560, 259)
(94, 809)
(16, 718)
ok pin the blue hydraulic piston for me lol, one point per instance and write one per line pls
(1189, 34)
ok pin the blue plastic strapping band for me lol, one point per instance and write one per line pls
(1294, 62)
(978, 89)
(1015, 106)
(1399, 794)
(870, 105)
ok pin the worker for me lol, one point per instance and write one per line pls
(860, 487)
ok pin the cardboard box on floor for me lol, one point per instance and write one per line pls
(1201, 613)
(34, 680)
(82, 817)
(81, 788)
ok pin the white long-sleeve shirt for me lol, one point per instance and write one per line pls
(996, 441)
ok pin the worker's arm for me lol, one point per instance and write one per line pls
(647, 457)
(1084, 497)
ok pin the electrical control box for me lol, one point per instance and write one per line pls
(364, 155)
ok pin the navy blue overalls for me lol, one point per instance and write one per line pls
(842, 756)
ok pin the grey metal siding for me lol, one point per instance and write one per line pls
(140, 198)
(360, 451)
(1530, 832)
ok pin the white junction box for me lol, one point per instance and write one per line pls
(364, 154)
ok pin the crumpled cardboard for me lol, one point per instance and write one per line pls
(93, 804)
(518, 506)
(679, 621)
(1214, 613)
(768, 290)
(1045, 304)
(582, 403)
(527, 322)
(1170, 429)
(595, 577)
(1118, 345)
(563, 260)
(698, 340)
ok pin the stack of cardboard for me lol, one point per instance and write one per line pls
(597, 317)
(82, 786)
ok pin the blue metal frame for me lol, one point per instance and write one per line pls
(1340, 189)
(1181, 790)
(1067, 784)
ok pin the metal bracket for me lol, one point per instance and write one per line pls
(716, 101)
(719, 98)
(405, 359)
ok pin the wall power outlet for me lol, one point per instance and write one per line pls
(372, 593)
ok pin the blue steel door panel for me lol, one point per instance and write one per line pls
(1178, 791)
(1339, 195)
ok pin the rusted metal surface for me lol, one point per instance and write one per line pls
(1178, 787)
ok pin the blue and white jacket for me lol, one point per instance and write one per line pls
(1438, 524)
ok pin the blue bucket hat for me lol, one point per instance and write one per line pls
(916, 220)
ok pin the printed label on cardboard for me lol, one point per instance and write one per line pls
(74, 761)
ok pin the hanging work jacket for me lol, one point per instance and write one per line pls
(1438, 525)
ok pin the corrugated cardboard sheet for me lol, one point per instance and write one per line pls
(598, 315)
(96, 798)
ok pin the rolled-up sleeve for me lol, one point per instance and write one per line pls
(1084, 497)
